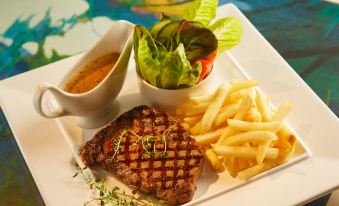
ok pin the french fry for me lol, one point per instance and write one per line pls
(213, 109)
(253, 126)
(192, 120)
(242, 163)
(196, 128)
(293, 142)
(252, 92)
(186, 126)
(202, 99)
(282, 111)
(245, 105)
(232, 166)
(228, 107)
(234, 97)
(252, 136)
(247, 144)
(285, 132)
(250, 161)
(196, 109)
(213, 159)
(226, 133)
(284, 136)
(263, 107)
(252, 171)
(255, 144)
(283, 142)
(262, 150)
(285, 155)
(253, 115)
(243, 85)
(210, 137)
(246, 152)
(226, 114)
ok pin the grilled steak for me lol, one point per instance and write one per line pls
(149, 151)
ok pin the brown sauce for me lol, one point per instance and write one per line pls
(92, 74)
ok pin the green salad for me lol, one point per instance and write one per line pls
(178, 53)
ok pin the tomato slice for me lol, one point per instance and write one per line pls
(207, 64)
(205, 69)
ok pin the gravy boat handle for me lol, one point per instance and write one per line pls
(55, 109)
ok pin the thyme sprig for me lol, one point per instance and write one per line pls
(115, 196)
(146, 141)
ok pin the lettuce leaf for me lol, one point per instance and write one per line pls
(177, 71)
(228, 31)
(190, 75)
(202, 11)
(148, 67)
(147, 55)
(198, 41)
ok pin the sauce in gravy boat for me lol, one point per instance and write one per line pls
(94, 105)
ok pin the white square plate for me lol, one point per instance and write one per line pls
(50, 159)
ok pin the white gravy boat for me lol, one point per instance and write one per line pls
(97, 106)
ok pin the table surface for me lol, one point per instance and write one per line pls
(305, 33)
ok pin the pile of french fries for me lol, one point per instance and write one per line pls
(239, 130)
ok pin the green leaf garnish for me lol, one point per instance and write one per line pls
(198, 41)
(228, 31)
(202, 11)
(177, 71)
(148, 54)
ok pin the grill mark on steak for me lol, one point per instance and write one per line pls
(171, 177)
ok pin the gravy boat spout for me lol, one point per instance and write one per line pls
(97, 106)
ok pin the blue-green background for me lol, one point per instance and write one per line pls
(305, 33)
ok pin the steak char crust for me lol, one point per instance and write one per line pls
(170, 173)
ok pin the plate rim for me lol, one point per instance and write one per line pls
(14, 78)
